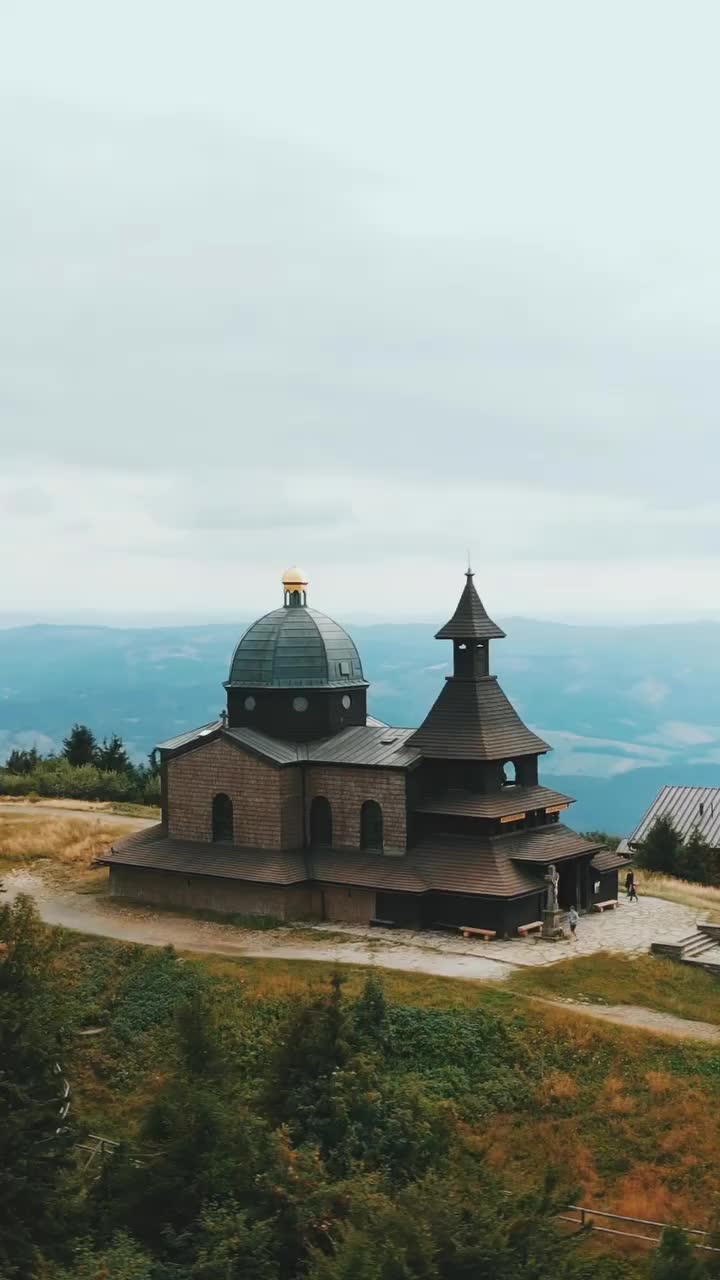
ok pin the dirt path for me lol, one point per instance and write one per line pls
(64, 810)
(97, 914)
(634, 1015)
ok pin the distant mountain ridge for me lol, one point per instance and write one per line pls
(625, 708)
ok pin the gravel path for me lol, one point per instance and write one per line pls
(98, 914)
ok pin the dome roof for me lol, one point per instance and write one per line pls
(296, 648)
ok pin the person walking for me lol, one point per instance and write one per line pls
(572, 921)
(628, 883)
(632, 891)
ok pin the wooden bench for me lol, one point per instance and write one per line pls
(605, 906)
(525, 929)
(485, 934)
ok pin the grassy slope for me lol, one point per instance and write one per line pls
(632, 1119)
(702, 898)
(610, 978)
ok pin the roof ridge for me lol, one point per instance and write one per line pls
(311, 614)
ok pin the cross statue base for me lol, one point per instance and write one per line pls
(552, 929)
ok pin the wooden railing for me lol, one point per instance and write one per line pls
(588, 1215)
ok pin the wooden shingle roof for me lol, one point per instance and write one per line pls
(470, 620)
(544, 845)
(374, 744)
(498, 804)
(610, 860)
(151, 848)
(449, 864)
(474, 720)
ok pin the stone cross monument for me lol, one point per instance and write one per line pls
(552, 916)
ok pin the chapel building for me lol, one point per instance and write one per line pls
(296, 804)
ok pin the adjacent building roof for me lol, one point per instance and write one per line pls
(688, 807)
(474, 720)
(470, 620)
(499, 804)
(295, 647)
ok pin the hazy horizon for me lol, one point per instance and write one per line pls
(179, 618)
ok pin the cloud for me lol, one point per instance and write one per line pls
(254, 312)
(650, 692)
(678, 733)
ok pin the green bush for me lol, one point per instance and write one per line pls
(57, 778)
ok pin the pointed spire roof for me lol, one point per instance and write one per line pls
(474, 720)
(470, 620)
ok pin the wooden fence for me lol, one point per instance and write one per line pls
(698, 1238)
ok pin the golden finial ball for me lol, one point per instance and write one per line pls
(294, 579)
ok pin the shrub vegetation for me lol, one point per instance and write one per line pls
(84, 770)
(280, 1122)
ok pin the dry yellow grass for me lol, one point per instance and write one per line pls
(700, 897)
(124, 807)
(73, 842)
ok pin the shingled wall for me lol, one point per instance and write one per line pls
(256, 789)
(347, 788)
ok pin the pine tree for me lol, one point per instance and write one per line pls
(371, 1013)
(676, 1259)
(696, 860)
(34, 1137)
(80, 746)
(661, 848)
(112, 756)
(22, 761)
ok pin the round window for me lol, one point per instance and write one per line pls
(347, 701)
(300, 704)
(250, 703)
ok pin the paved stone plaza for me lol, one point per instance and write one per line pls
(631, 928)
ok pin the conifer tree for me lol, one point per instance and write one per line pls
(112, 756)
(696, 860)
(22, 761)
(676, 1259)
(34, 1135)
(80, 746)
(661, 848)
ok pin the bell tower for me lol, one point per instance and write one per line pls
(471, 630)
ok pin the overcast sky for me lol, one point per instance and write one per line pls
(359, 286)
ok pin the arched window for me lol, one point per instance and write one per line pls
(371, 826)
(510, 778)
(321, 832)
(222, 819)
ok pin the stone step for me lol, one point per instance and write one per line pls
(707, 960)
(674, 948)
(698, 945)
(710, 930)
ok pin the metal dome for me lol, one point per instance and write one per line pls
(296, 648)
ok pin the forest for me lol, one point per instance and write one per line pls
(286, 1130)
